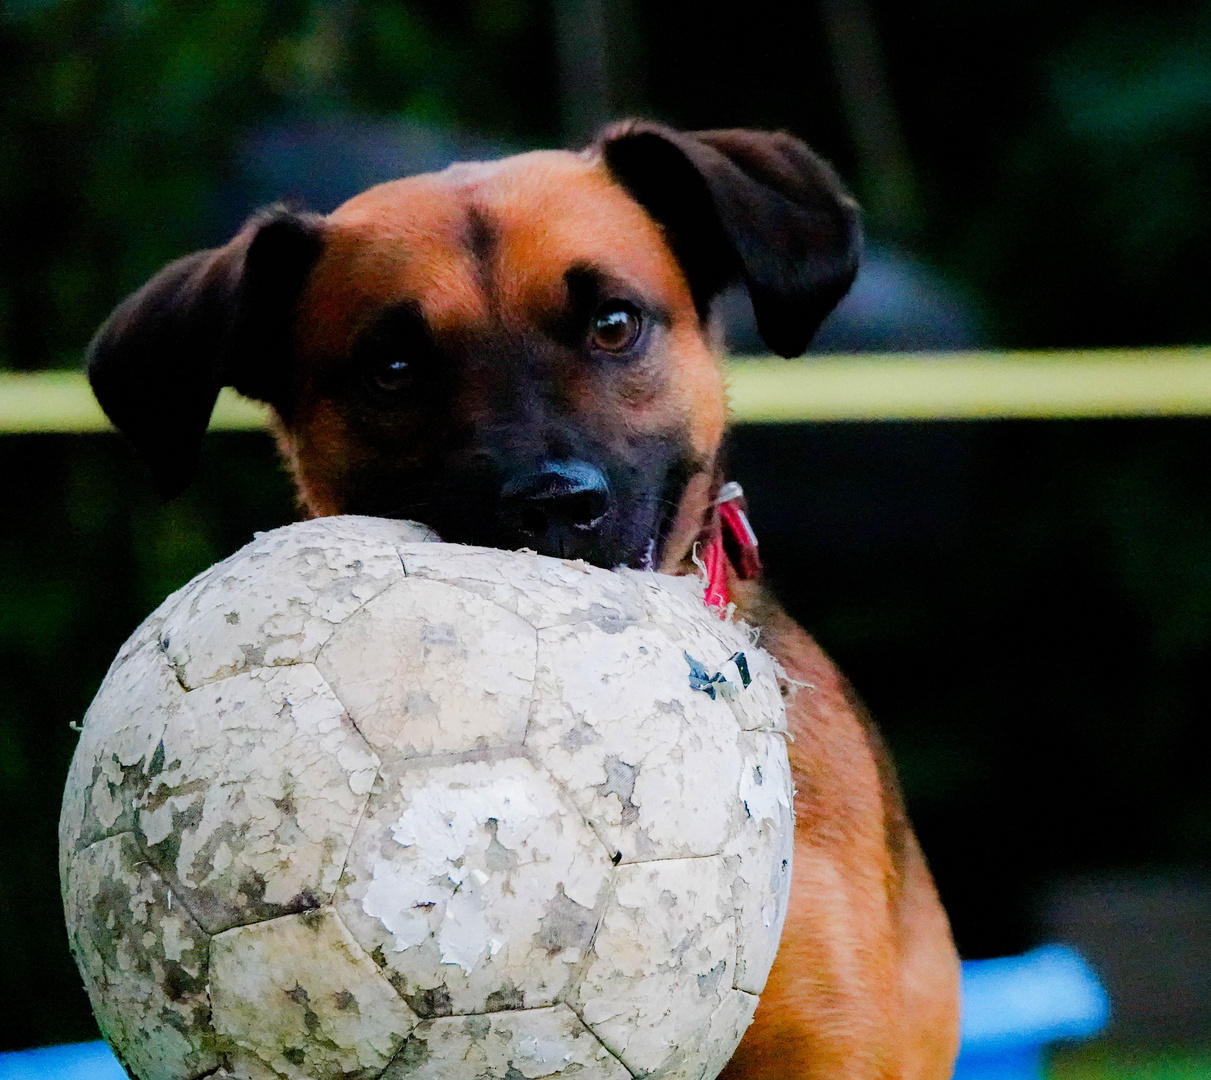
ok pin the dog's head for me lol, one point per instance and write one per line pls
(517, 354)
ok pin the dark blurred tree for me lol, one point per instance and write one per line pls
(1098, 223)
(115, 119)
(1059, 156)
(115, 123)
(486, 65)
(1061, 153)
(1066, 155)
(118, 121)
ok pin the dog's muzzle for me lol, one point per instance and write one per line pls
(555, 507)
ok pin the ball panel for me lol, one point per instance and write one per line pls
(262, 783)
(653, 765)
(528, 1045)
(675, 607)
(729, 1022)
(543, 591)
(277, 600)
(427, 667)
(144, 960)
(760, 857)
(242, 1065)
(117, 752)
(299, 995)
(762, 706)
(474, 884)
(663, 963)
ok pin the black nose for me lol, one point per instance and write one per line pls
(556, 498)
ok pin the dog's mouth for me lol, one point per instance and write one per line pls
(668, 503)
(619, 516)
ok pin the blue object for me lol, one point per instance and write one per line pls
(1014, 1006)
(72, 1061)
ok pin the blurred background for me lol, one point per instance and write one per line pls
(1025, 605)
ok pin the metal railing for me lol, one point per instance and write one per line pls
(905, 386)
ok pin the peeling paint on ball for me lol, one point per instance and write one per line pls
(357, 804)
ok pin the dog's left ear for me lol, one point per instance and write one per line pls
(216, 318)
(751, 206)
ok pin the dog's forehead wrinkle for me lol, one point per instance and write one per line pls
(501, 242)
(481, 236)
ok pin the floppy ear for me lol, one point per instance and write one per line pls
(212, 319)
(751, 206)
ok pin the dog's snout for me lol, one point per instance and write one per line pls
(557, 497)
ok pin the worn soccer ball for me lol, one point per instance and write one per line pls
(353, 803)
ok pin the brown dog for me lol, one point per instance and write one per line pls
(518, 354)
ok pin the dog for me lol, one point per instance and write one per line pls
(521, 354)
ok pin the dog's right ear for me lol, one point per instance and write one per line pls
(756, 207)
(212, 319)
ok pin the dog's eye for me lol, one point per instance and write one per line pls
(390, 375)
(615, 328)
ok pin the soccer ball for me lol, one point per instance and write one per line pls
(354, 803)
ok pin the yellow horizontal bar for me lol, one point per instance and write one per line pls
(974, 386)
(62, 402)
(900, 386)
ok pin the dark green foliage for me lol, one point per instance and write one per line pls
(116, 121)
(119, 121)
(484, 64)
(87, 550)
(1062, 153)
(1094, 223)
(1026, 608)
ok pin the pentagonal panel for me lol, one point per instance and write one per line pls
(474, 884)
(277, 600)
(426, 667)
(144, 961)
(652, 764)
(299, 995)
(662, 965)
(759, 857)
(535, 1044)
(261, 782)
(117, 751)
(543, 591)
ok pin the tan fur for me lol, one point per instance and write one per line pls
(866, 982)
(407, 239)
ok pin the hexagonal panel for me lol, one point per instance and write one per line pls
(662, 965)
(259, 784)
(652, 764)
(144, 961)
(760, 857)
(534, 1044)
(117, 746)
(299, 995)
(237, 616)
(474, 884)
(426, 667)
